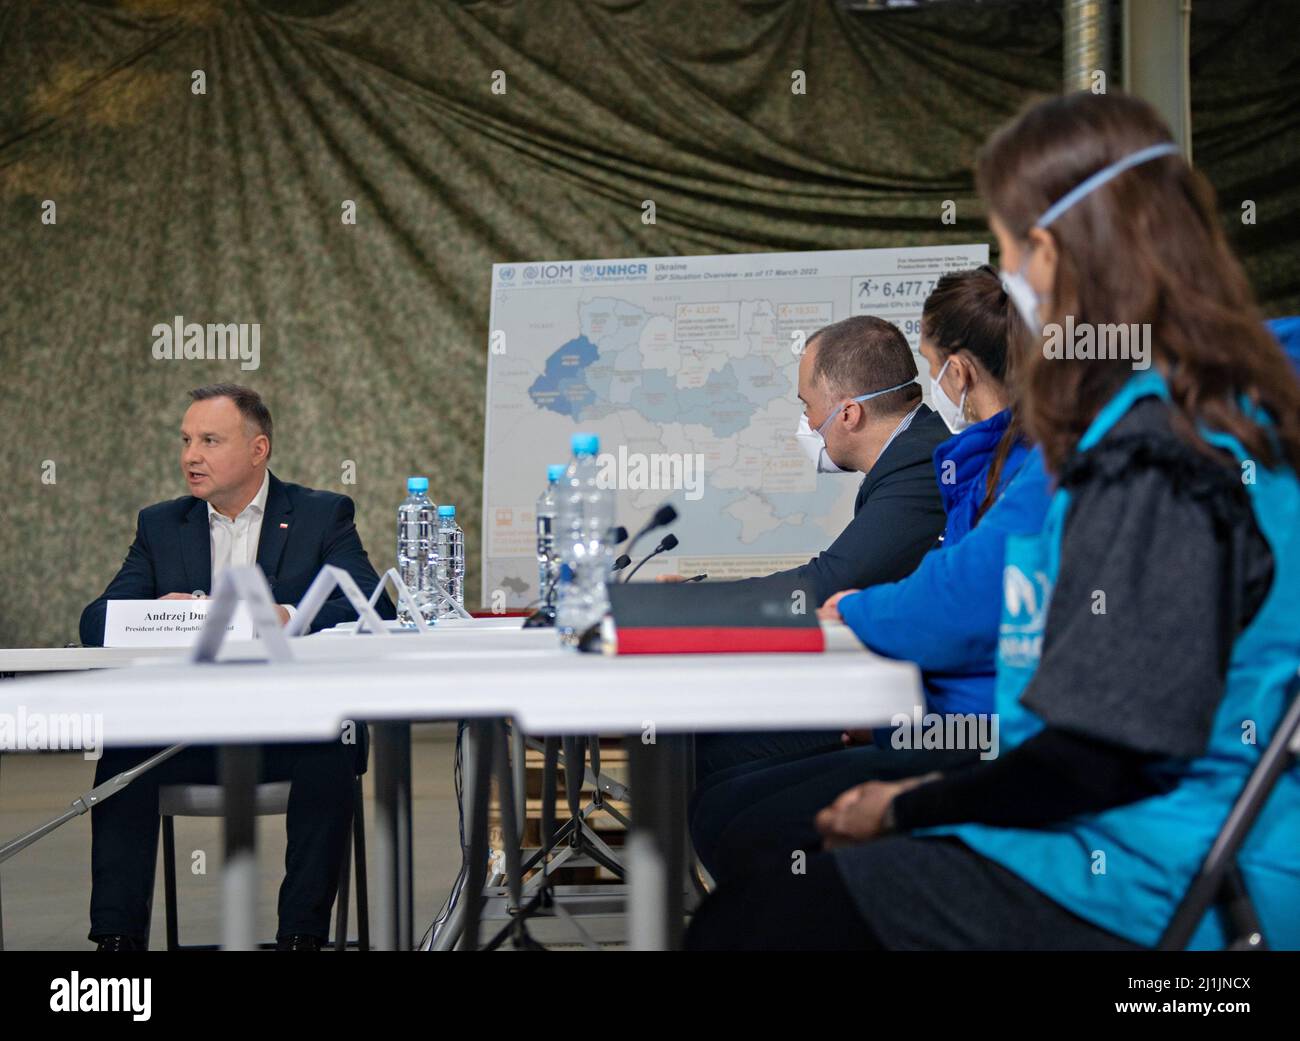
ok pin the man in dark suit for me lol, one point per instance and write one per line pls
(863, 413)
(237, 513)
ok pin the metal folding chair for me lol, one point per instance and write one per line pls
(272, 798)
(1219, 885)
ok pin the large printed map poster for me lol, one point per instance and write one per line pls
(687, 368)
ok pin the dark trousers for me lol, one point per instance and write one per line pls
(715, 753)
(760, 813)
(124, 832)
(776, 910)
(896, 893)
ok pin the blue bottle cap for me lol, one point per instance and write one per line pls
(585, 444)
(446, 511)
(417, 484)
(554, 472)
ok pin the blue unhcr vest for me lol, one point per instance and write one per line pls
(1125, 869)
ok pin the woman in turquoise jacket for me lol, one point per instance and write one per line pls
(1150, 632)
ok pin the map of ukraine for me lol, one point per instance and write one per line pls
(578, 378)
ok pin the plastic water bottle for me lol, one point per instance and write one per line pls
(584, 517)
(547, 562)
(451, 560)
(417, 550)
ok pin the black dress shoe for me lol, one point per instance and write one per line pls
(117, 942)
(298, 942)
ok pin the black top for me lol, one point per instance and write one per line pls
(897, 516)
(1166, 533)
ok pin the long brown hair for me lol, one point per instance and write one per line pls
(1144, 248)
(969, 311)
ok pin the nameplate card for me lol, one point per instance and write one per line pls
(167, 623)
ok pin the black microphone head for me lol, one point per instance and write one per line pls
(669, 542)
(617, 535)
(623, 561)
(664, 515)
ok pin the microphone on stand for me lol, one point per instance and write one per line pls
(663, 516)
(544, 616)
(669, 542)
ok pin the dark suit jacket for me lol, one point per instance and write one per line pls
(897, 517)
(172, 554)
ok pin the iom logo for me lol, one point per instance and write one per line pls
(548, 273)
(1024, 613)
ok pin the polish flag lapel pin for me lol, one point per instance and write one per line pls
(284, 524)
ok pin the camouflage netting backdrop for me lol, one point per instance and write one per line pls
(226, 206)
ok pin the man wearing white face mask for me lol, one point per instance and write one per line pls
(863, 414)
(836, 360)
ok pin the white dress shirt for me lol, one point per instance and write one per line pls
(234, 542)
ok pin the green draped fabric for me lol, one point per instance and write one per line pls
(226, 206)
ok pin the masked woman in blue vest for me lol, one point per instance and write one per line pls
(1150, 633)
(944, 616)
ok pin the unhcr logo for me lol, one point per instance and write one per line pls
(614, 272)
(1024, 610)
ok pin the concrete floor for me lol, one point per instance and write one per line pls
(46, 888)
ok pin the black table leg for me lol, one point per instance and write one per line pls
(393, 923)
(480, 748)
(239, 766)
(656, 845)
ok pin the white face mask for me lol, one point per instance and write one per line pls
(953, 415)
(813, 442)
(1024, 298)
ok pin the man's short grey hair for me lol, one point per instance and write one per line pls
(862, 354)
(246, 399)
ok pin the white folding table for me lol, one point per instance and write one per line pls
(339, 642)
(478, 673)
